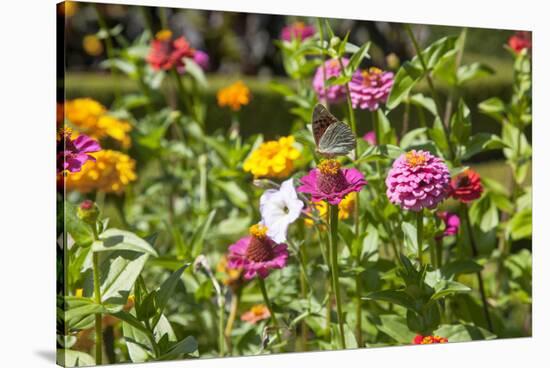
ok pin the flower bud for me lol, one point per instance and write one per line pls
(335, 41)
(393, 62)
(88, 211)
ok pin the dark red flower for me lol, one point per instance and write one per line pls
(520, 40)
(466, 186)
(167, 53)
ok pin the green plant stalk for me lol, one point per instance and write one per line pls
(97, 295)
(221, 329)
(358, 310)
(109, 48)
(231, 320)
(333, 240)
(475, 253)
(274, 320)
(419, 233)
(323, 68)
(431, 87)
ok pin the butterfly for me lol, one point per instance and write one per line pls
(332, 137)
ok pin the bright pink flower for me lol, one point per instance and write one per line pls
(257, 254)
(370, 138)
(73, 153)
(452, 223)
(370, 88)
(298, 30)
(166, 53)
(331, 94)
(417, 180)
(519, 41)
(202, 59)
(328, 182)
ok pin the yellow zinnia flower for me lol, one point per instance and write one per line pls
(274, 159)
(234, 96)
(92, 45)
(92, 119)
(110, 173)
(345, 208)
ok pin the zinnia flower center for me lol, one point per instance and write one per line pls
(415, 158)
(330, 179)
(463, 181)
(299, 26)
(258, 310)
(370, 75)
(164, 35)
(259, 249)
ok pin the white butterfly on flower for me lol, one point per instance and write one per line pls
(279, 208)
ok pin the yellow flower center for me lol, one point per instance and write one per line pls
(163, 35)
(258, 310)
(64, 132)
(329, 167)
(258, 231)
(370, 74)
(299, 25)
(415, 158)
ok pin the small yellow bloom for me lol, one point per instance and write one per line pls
(110, 173)
(274, 159)
(231, 276)
(92, 119)
(163, 35)
(234, 96)
(345, 209)
(92, 45)
(78, 293)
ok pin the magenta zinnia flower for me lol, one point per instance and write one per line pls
(202, 59)
(257, 254)
(370, 88)
(73, 153)
(452, 223)
(331, 94)
(329, 182)
(298, 30)
(418, 180)
(370, 138)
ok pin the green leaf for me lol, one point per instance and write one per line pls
(458, 267)
(73, 358)
(166, 290)
(369, 249)
(78, 229)
(398, 297)
(357, 57)
(234, 193)
(411, 241)
(466, 73)
(493, 107)
(521, 224)
(410, 137)
(185, 346)
(437, 134)
(461, 126)
(482, 142)
(337, 81)
(138, 343)
(463, 332)
(445, 288)
(196, 72)
(395, 327)
(386, 151)
(426, 102)
(115, 240)
(197, 241)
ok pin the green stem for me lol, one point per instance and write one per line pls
(97, 294)
(419, 233)
(109, 48)
(268, 304)
(323, 68)
(431, 86)
(221, 324)
(333, 240)
(231, 320)
(358, 310)
(475, 253)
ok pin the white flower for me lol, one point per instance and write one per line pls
(280, 208)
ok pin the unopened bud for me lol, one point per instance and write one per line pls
(393, 61)
(88, 212)
(335, 41)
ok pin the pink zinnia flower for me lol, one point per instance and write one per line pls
(329, 182)
(370, 138)
(452, 223)
(519, 41)
(331, 94)
(73, 153)
(166, 53)
(257, 313)
(370, 88)
(298, 30)
(202, 59)
(257, 254)
(418, 180)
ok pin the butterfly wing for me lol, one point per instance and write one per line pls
(337, 140)
(321, 120)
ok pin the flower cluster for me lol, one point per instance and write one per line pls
(72, 154)
(466, 186)
(91, 118)
(297, 30)
(330, 182)
(417, 180)
(167, 53)
(369, 88)
(273, 159)
(234, 96)
(111, 172)
(331, 68)
(257, 254)
(422, 340)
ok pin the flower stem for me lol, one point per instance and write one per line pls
(268, 304)
(419, 233)
(109, 48)
(231, 320)
(333, 240)
(359, 310)
(221, 335)
(475, 253)
(323, 68)
(98, 316)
